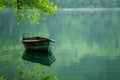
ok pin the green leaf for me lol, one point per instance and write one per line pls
(44, 6)
(2, 78)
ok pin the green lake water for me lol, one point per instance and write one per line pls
(87, 44)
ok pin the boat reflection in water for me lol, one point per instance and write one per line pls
(38, 56)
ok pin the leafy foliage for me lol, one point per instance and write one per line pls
(2, 78)
(38, 73)
(33, 8)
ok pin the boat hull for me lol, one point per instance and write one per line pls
(38, 46)
(37, 43)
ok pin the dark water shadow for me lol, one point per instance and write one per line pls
(42, 57)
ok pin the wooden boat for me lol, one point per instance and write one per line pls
(37, 43)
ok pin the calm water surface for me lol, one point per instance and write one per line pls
(87, 44)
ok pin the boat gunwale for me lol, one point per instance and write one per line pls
(36, 39)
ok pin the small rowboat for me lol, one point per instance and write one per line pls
(37, 43)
